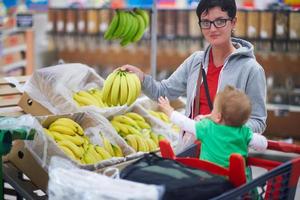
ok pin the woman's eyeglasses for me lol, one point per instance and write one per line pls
(218, 23)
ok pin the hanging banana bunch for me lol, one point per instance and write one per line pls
(128, 26)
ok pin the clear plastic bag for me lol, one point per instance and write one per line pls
(66, 181)
(43, 147)
(53, 88)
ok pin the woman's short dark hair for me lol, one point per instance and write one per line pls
(228, 6)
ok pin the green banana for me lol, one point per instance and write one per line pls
(121, 25)
(129, 36)
(112, 27)
(145, 16)
(141, 29)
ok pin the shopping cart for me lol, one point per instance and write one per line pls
(279, 181)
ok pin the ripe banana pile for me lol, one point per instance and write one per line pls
(89, 97)
(128, 26)
(71, 139)
(136, 132)
(162, 116)
(120, 88)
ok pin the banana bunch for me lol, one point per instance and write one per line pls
(136, 132)
(71, 139)
(121, 88)
(128, 26)
(162, 116)
(90, 97)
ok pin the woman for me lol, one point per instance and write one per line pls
(226, 61)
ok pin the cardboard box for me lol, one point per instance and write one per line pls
(24, 161)
(32, 107)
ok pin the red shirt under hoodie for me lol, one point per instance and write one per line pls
(212, 77)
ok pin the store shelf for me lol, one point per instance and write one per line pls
(14, 49)
(283, 107)
(16, 65)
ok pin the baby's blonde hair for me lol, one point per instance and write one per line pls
(234, 105)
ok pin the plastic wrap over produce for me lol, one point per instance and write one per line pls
(45, 146)
(54, 88)
(67, 181)
(150, 110)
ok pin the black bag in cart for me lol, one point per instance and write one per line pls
(180, 182)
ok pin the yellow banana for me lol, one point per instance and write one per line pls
(123, 89)
(83, 100)
(62, 130)
(115, 125)
(78, 151)
(89, 96)
(69, 123)
(117, 150)
(142, 145)
(91, 149)
(153, 113)
(48, 133)
(125, 120)
(122, 127)
(98, 96)
(135, 116)
(67, 151)
(151, 144)
(76, 139)
(115, 90)
(104, 154)
(107, 145)
(131, 141)
(107, 86)
(132, 130)
(154, 137)
(131, 90)
(88, 158)
(164, 117)
(137, 84)
(146, 133)
(143, 125)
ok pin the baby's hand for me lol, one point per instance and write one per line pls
(165, 106)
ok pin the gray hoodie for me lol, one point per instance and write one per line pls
(240, 70)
